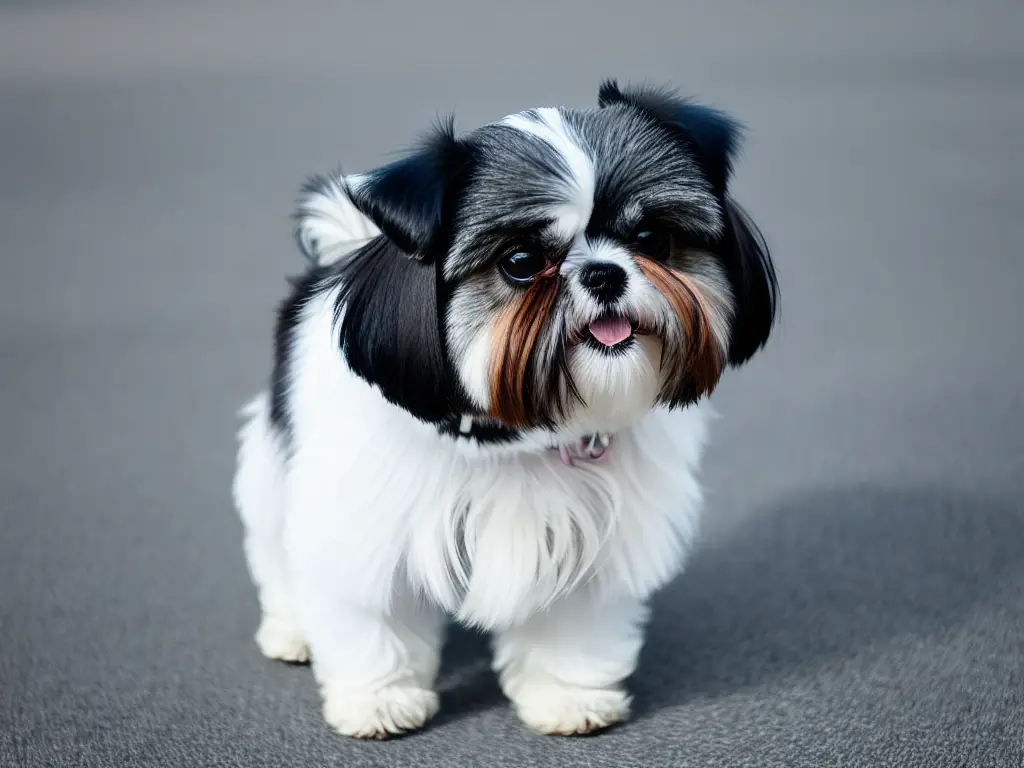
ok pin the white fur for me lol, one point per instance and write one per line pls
(616, 390)
(586, 250)
(376, 526)
(549, 126)
(259, 490)
(474, 361)
(330, 225)
(709, 277)
(564, 669)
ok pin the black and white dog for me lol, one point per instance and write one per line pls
(487, 404)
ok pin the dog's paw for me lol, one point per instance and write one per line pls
(389, 711)
(281, 640)
(552, 708)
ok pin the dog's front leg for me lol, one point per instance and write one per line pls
(375, 670)
(564, 668)
(374, 644)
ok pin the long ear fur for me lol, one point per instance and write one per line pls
(387, 310)
(407, 199)
(390, 329)
(751, 273)
(715, 137)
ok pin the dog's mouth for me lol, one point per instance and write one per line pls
(609, 332)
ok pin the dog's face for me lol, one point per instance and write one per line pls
(576, 268)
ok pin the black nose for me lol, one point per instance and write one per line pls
(605, 281)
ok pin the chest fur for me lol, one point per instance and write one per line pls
(516, 535)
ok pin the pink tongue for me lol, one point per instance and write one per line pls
(611, 330)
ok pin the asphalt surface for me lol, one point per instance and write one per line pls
(857, 598)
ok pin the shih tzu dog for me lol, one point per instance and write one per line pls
(487, 404)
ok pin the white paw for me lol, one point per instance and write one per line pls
(281, 640)
(389, 711)
(549, 707)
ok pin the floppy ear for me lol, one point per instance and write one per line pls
(390, 328)
(713, 134)
(407, 199)
(387, 310)
(715, 137)
(748, 265)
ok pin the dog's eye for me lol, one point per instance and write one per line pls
(523, 266)
(653, 243)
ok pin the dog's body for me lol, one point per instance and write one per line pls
(513, 444)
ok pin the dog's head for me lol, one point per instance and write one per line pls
(560, 269)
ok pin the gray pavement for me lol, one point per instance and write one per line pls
(857, 598)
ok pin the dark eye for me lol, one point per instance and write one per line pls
(653, 243)
(522, 267)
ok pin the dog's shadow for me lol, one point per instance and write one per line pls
(816, 577)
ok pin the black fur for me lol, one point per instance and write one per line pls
(388, 332)
(289, 314)
(408, 198)
(484, 432)
(471, 197)
(389, 308)
(390, 329)
(716, 137)
(752, 277)
(389, 335)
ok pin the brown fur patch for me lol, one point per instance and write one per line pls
(701, 360)
(515, 335)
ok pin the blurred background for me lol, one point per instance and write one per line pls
(857, 597)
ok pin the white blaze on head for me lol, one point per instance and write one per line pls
(572, 216)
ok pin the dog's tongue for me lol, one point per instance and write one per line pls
(610, 330)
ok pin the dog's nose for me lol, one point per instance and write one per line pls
(605, 281)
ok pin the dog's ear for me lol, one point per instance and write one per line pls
(715, 137)
(713, 134)
(748, 265)
(390, 328)
(407, 199)
(388, 311)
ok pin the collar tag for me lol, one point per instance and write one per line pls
(587, 448)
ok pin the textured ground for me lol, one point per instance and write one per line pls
(858, 595)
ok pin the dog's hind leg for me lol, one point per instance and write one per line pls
(259, 493)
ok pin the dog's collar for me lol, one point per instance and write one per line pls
(467, 427)
(593, 447)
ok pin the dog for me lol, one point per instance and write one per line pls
(488, 404)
